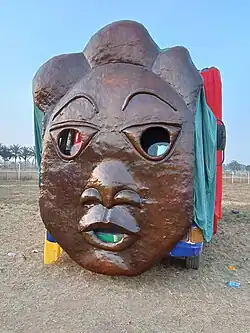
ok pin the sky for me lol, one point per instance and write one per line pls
(216, 33)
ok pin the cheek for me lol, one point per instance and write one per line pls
(168, 197)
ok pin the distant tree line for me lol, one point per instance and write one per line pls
(17, 153)
(236, 166)
(24, 153)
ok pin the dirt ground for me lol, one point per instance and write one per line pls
(63, 297)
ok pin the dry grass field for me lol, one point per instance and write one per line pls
(63, 297)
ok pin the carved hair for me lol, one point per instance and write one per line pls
(119, 42)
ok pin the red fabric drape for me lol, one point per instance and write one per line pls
(213, 92)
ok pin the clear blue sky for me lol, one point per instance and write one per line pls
(216, 32)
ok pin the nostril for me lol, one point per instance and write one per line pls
(90, 196)
(128, 197)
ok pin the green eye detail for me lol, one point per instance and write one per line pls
(155, 141)
(158, 149)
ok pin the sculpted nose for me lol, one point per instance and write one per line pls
(111, 184)
(123, 197)
(90, 196)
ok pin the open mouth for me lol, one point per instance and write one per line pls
(112, 229)
(108, 236)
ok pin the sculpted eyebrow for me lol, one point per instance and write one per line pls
(145, 92)
(75, 97)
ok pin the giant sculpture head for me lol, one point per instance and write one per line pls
(117, 165)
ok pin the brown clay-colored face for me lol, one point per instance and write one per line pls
(117, 183)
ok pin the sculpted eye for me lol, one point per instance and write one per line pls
(154, 142)
(70, 142)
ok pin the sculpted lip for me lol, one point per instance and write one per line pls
(122, 242)
(112, 229)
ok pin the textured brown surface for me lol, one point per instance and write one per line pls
(112, 181)
(63, 297)
(56, 76)
(122, 41)
(176, 67)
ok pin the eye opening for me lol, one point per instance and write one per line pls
(155, 141)
(69, 142)
(71, 139)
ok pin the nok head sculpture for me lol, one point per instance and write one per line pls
(118, 157)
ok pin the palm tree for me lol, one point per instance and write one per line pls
(5, 153)
(234, 166)
(16, 151)
(25, 154)
(33, 154)
(1, 147)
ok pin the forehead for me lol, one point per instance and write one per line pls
(121, 91)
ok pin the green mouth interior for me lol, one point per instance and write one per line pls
(108, 237)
